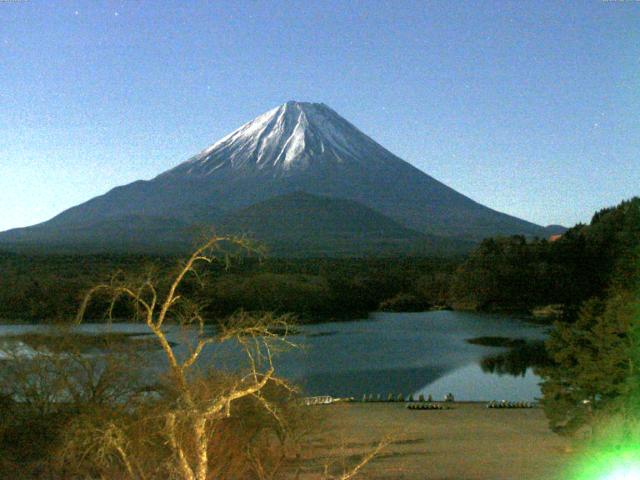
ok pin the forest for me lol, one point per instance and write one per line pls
(49, 288)
(507, 274)
(585, 262)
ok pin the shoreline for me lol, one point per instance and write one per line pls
(516, 315)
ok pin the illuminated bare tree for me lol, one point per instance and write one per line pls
(196, 409)
(189, 424)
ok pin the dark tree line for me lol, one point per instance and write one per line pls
(514, 273)
(50, 288)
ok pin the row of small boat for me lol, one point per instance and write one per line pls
(427, 406)
(506, 404)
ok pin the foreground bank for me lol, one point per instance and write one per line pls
(467, 441)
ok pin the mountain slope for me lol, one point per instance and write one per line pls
(296, 224)
(296, 147)
(313, 225)
(126, 233)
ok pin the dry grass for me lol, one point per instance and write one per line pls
(468, 442)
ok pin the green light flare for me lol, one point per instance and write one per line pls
(610, 464)
(624, 473)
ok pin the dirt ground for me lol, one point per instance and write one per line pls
(467, 442)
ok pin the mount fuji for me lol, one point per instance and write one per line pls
(300, 169)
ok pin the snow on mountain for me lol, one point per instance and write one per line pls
(292, 137)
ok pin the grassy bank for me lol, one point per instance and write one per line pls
(467, 442)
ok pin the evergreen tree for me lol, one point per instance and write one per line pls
(594, 371)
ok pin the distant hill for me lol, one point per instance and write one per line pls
(319, 226)
(551, 230)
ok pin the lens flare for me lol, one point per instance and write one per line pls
(609, 464)
(630, 472)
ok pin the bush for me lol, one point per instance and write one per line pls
(404, 302)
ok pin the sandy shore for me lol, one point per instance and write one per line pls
(468, 442)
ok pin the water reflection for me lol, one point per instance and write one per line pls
(470, 383)
(517, 360)
(381, 381)
(388, 353)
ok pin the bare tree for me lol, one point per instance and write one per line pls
(189, 424)
(196, 414)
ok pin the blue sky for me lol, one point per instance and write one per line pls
(531, 108)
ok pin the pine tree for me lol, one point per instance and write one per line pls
(594, 366)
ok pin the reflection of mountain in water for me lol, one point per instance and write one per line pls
(470, 383)
(403, 353)
(383, 382)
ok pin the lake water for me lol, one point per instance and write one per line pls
(408, 353)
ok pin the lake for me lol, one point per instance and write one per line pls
(409, 353)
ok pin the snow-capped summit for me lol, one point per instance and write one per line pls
(288, 138)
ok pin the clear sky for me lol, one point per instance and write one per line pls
(531, 108)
